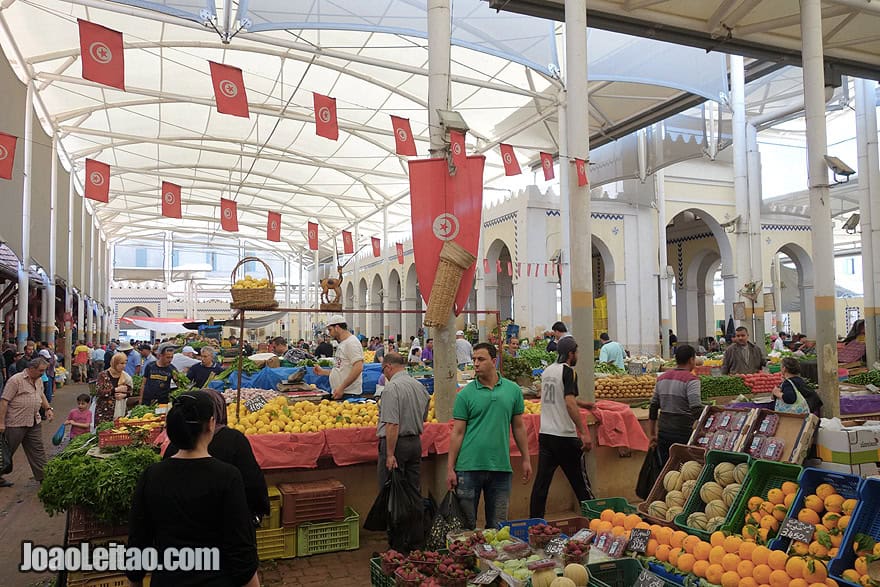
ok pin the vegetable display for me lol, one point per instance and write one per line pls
(609, 368)
(721, 386)
(537, 356)
(761, 382)
(247, 366)
(625, 386)
(513, 367)
(872, 377)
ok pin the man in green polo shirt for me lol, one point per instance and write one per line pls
(484, 414)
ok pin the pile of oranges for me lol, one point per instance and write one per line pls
(830, 513)
(617, 523)
(763, 516)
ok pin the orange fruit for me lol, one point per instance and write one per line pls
(662, 553)
(789, 499)
(716, 538)
(730, 561)
(700, 568)
(673, 556)
(746, 549)
(750, 531)
(607, 516)
(605, 526)
(702, 550)
(630, 521)
(779, 512)
(851, 575)
(690, 543)
(618, 518)
(865, 581)
(760, 554)
(754, 517)
(798, 583)
(824, 490)
(834, 503)
(594, 525)
(745, 568)
(789, 488)
(795, 567)
(832, 552)
(876, 549)
(651, 547)
(815, 503)
(843, 522)
(761, 573)
(779, 578)
(777, 560)
(815, 571)
(677, 538)
(754, 503)
(714, 572)
(730, 579)
(664, 535)
(849, 505)
(747, 582)
(716, 554)
(763, 535)
(775, 496)
(809, 516)
(799, 549)
(861, 566)
(686, 562)
(731, 543)
(770, 523)
(643, 526)
(618, 531)
(818, 549)
(767, 508)
(829, 582)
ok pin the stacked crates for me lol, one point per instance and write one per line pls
(317, 513)
(273, 540)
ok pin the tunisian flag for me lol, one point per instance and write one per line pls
(511, 165)
(171, 200)
(97, 181)
(7, 155)
(581, 167)
(377, 246)
(273, 227)
(547, 166)
(228, 215)
(103, 59)
(403, 139)
(400, 253)
(313, 236)
(325, 117)
(457, 146)
(347, 243)
(229, 92)
(445, 207)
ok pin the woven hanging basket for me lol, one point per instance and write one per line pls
(262, 298)
(454, 260)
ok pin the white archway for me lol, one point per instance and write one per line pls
(412, 301)
(393, 302)
(360, 322)
(499, 284)
(804, 302)
(377, 293)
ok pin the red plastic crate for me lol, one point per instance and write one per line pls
(82, 525)
(109, 438)
(314, 501)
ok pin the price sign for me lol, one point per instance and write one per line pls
(797, 530)
(584, 535)
(486, 577)
(638, 540)
(648, 579)
(255, 404)
(554, 547)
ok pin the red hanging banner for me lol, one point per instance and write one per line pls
(97, 181)
(546, 270)
(518, 269)
(103, 58)
(445, 207)
(171, 206)
(273, 227)
(581, 167)
(313, 236)
(400, 253)
(498, 266)
(528, 269)
(485, 266)
(228, 215)
(347, 243)
(377, 246)
(325, 117)
(510, 269)
(229, 92)
(547, 166)
(457, 147)
(7, 155)
(511, 165)
(403, 139)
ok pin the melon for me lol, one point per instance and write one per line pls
(691, 470)
(562, 582)
(672, 481)
(710, 490)
(729, 494)
(543, 578)
(714, 523)
(724, 474)
(716, 509)
(740, 471)
(697, 520)
(657, 509)
(672, 512)
(687, 488)
(675, 498)
(577, 573)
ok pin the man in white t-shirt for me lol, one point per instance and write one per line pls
(348, 360)
(464, 352)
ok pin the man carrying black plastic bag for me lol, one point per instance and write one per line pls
(399, 509)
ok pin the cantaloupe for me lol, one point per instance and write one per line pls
(672, 481)
(729, 494)
(716, 509)
(672, 512)
(657, 509)
(675, 498)
(577, 573)
(687, 488)
(723, 474)
(714, 523)
(740, 471)
(562, 582)
(543, 578)
(710, 490)
(690, 470)
(697, 520)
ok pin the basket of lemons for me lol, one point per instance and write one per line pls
(250, 293)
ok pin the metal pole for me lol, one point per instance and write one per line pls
(565, 261)
(240, 360)
(93, 234)
(299, 322)
(49, 324)
(287, 275)
(665, 302)
(25, 261)
(869, 184)
(384, 271)
(740, 174)
(820, 211)
(68, 292)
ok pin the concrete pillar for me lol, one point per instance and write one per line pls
(21, 332)
(615, 293)
(869, 184)
(663, 262)
(740, 169)
(756, 261)
(820, 210)
(68, 291)
(565, 261)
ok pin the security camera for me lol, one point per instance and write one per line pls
(838, 167)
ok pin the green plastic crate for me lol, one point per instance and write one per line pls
(273, 520)
(276, 543)
(316, 538)
(622, 572)
(762, 477)
(592, 508)
(695, 503)
(377, 577)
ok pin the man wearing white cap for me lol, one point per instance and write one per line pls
(185, 359)
(463, 350)
(348, 361)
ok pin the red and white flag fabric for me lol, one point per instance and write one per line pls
(529, 269)
(510, 269)
(511, 165)
(171, 207)
(273, 227)
(547, 166)
(518, 269)
(377, 246)
(498, 266)
(445, 208)
(486, 266)
(325, 117)
(457, 147)
(546, 270)
(7, 155)
(403, 138)
(400, 253)
(228, 215)
(97, 181)
(103, 58)
(581, 167)
(229, 92)
(313, 236)
(347, 243)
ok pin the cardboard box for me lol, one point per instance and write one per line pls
(864, 470)
(854, 445)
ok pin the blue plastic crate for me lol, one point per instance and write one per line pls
(670, 578)
(865, 520)
(520, 528)
(809, 480)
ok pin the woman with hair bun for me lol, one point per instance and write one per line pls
(194, 500)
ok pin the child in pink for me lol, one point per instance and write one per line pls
(80, 418)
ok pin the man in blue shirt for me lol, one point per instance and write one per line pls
(134, 358)
(611, 352)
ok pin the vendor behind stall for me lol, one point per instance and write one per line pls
(348, 362)
(676, 402)
(743, 356)
(159, 377)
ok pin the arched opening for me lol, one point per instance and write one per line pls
(349, 296)
(792, 281)
(604, 292)
(360, 322)
(128, 331)
(376, 321)
(499, 284)
(137, 311)
(412, 301)
(392, 295)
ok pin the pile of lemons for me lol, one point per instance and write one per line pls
(279, 417)
(249, 282)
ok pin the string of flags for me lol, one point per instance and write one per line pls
(103, 62)
(523, 269)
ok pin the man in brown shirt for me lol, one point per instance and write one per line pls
(743, 356)
(20, 415)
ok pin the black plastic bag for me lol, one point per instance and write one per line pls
(406, 528)
(5, 456)
(650, 472)
(377, 519)
(449, 518)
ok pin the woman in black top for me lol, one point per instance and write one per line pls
(194, 500)
(793, 383)
(231, 446)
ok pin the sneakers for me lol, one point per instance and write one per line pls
(5, 483)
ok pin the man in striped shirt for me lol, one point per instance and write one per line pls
(676, 402)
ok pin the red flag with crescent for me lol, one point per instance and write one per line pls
(457, 148)
(97, 181)
(581, 167)
(377, 246)
(547, 166)
(228, 215)
(403, 139)
(273, 227)
(485, 265)
(313, 236)
(325, 117)
(7, 155)
(445, 207)
(171, 200)
(400, 253)
(103, 58)
(229, 92)
(347, 243)
(511, 165)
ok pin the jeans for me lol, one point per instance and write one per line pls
(558, 451)
(495, 487)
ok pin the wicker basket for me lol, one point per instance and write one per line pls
(454, 260)
(254, 299)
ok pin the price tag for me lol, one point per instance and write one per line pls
(554, 547)
(255, 404)
(638, 540)
(872, 388)
(486, 577)
(797, 530)
(584, 535)
(648, 579)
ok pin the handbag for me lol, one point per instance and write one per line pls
(5, 455)
(649, 473)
